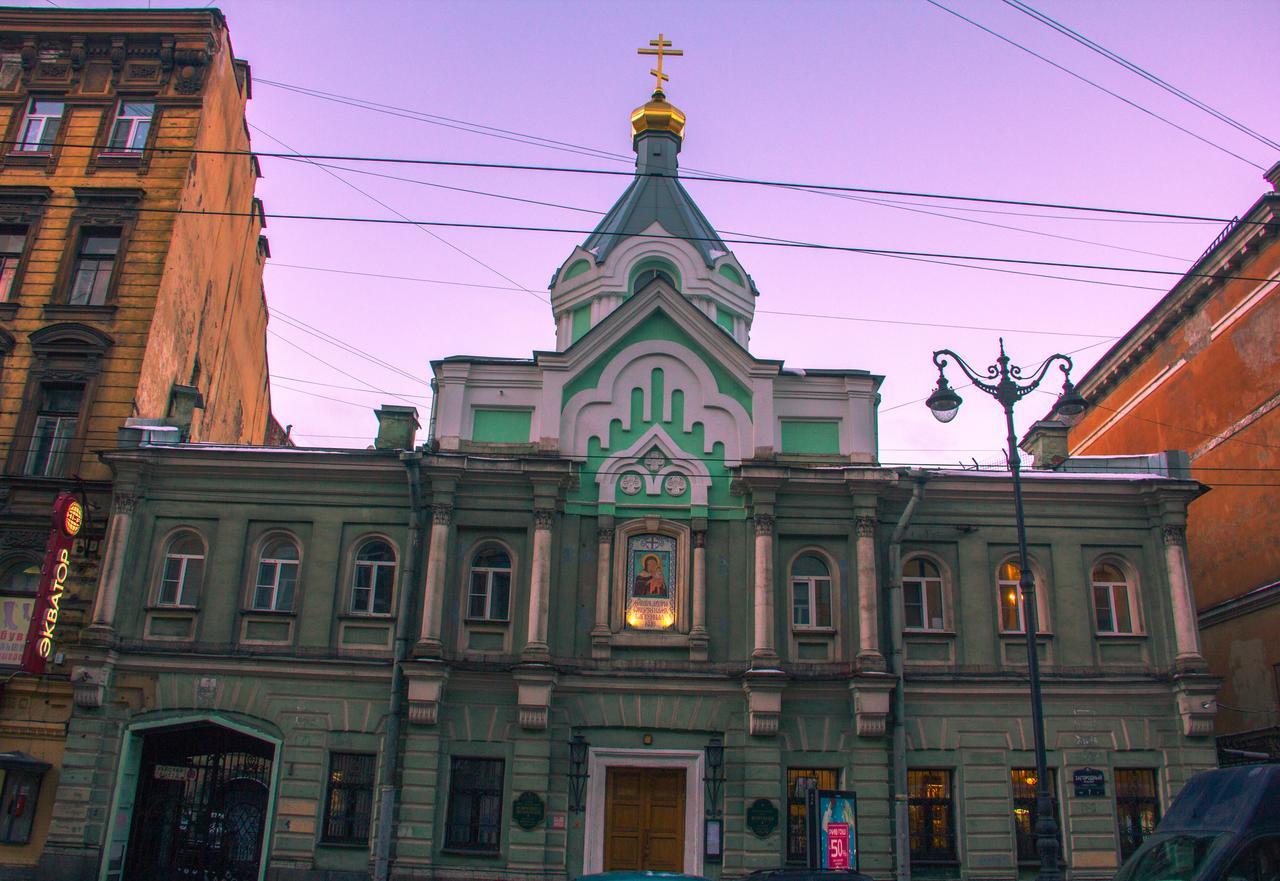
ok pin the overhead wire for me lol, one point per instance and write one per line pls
(1147, 75)
(1097, 86)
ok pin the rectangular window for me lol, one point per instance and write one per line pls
(57, 420)
(371, 593)
(40, 125)
(811, 606)
(181, 571)
(349, 798)
(931, 818)
(1025, 784)
(95, 261)
(800, 782)
(475, 805)
(13, 240)
(131, 126)
(490, 594)
(1111, 608)
(1137, 807)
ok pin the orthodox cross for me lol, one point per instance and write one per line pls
(661, 48)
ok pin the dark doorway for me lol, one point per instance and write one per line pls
(201, 808)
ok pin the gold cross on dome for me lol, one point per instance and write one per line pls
(661, 48)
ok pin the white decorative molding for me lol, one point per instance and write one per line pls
(600, 760)
(871, 704)
(426, 690)
(764, 701)
(590, 412)
(633, 463)
(534, 686)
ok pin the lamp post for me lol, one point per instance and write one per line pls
(578, 748)
(1006, 383)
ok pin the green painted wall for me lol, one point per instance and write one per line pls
(732, 274)
(724, 318)
(814, 436)
(575, 269)
(581, 323)
(503, 426)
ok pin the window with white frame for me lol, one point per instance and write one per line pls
(922, 595)
(1112, 598)
(183, 572)
(13, 240)
(131, 127)
(810, 592)
(373, 579)
(489, 585)
(40, 125)
(277, 578)
(1011, 617)
(95, 263)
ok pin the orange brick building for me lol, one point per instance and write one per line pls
(114, 305)
(1201, 372)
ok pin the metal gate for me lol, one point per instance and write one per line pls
(201, 807)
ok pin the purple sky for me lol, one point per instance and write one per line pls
(895, 95)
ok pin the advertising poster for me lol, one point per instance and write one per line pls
(833, 829)
(15, 619)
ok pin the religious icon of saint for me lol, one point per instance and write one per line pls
(650, 582)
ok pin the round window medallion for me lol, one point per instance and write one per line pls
(630, 484)
(676, 485)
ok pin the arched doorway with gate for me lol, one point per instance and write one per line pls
(194, 801)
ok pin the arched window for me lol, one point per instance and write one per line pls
(810, 592)
(277, 575)
(20, 576)
(373, 579)
(183, 572)
(1012, 619)
(922, 595)
(1112, 599)
(489, 591)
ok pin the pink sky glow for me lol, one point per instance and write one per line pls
(895, 95)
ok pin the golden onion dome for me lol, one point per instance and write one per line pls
(658, 115)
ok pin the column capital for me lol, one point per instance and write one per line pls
(700, 539)
(604, 535)
(442, 515)
(542, 518)
(865, 525)
(1174, 535)
(764, 524)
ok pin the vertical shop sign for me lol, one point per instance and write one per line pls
(68, 520)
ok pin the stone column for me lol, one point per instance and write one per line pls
(869, 656)
(764, 650)
(429, 642)
(115, 548)
(600, 633)
(698, 638)
(1184, 608)
(536, 647)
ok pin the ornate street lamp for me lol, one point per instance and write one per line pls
(714, 782)
(578, 747)
(1006, 384)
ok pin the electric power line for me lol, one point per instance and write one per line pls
(1097, 86)
(1147, 75)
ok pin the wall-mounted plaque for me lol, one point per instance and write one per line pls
(762, 817)
(528, 810)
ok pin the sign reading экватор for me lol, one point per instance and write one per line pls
(68, 520)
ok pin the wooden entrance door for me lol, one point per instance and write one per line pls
(644, 819)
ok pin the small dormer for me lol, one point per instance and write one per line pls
(654, 231)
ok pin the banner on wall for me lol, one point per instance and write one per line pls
(42, 632)
(15, 622)
(833, 829)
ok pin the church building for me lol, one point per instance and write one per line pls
(626, 607)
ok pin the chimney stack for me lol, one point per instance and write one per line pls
(1046, 443)
(397, 427)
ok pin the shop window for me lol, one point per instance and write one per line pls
(95, 263)
(183, 572)
(474, 821)
(277, 576)
(40, 125)
(13, 241)
(131, 126)
(489, 591)
(349, 798)
(1025, 812)
(57, 420)
(800, 782)
(1137, 807)
(931, 817)
(810, 592)
(1112, 600)
(374, 577)
(922, 595)
(19, 795)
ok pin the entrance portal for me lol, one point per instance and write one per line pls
(644, 819)
(201, 806)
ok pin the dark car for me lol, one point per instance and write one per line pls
(796, 874)
(630, 875)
